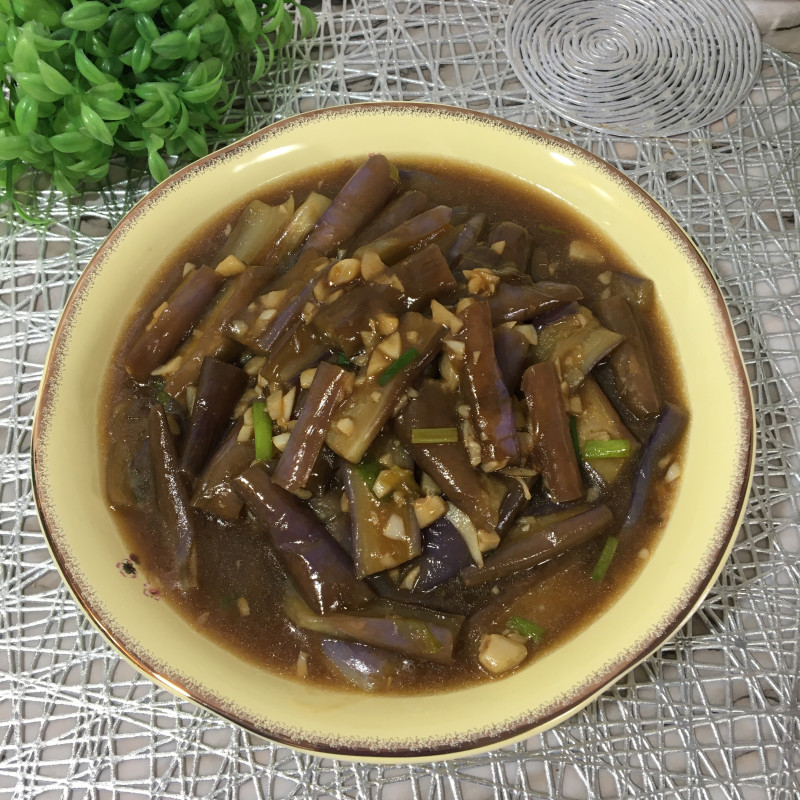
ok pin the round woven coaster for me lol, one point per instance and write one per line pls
(635, 67)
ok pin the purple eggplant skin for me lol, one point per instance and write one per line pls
(425, 276)
(400, 210)
(209, 338)
(517, 249)
(669, 426)
(551, 435)
(444, 555)
(172, 497)
(555, 315)
(512, 351)
(219, 388)
(213, 491)
(321, 570)
(331, 385)
(370, 669)
(342, 322)
(448, 463)
(358, 202)
(514, 501)
(183, 310)
(530, 551)
(519, 302)
(486, 393)
(629, 360)
(467, 238)
(409, 235)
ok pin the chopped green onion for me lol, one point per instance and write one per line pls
(611, 448)
(433, 435)
(551, 229)
(369, 471)
(423, 635)
(343, 361)
(573, 434)
(526, 627)
(603, 563)
(262, 431)
(397, 365)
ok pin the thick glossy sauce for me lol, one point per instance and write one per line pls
(234, 558)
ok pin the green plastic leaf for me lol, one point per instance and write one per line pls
(88, 69)
(113, 90)
(71, 142)
(213, 29)
(141, 6)
(96, 46)
(26, 55)
(123, 33)
(147, 28)
(154, 90)
(94, 125)
(12, 147)
(308, 22)
(193, 14)
(172, 45)
(87, 16)
(108, 109)
(157, 166)
(247, 13)
(26, 115)
(32, 83)
(54, 80)
(193, 44)
(202, 94)
(196, 143)
(141, 56)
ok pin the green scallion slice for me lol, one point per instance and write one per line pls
(611, 448)
(343, 361)
(573, 434)
(526, 627)
(262, 431)
(397, 365)
(433, 435)
(604, 562)
(551, 229)
(369, 471)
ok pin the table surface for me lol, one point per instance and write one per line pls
(712, 714)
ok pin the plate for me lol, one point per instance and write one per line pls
(114, 592)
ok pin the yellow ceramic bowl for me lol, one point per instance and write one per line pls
(90, 551)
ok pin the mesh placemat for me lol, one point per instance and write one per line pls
(713, 714)
(635, 67)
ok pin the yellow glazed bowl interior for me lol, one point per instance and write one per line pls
(88, 547)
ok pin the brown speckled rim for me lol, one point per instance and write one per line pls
(525, 725)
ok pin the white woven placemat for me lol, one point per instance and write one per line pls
(712, 715)
(635, 67)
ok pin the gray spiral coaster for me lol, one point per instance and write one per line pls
(635, 67)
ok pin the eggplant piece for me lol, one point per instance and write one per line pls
(219, 388)
(517, 247)
(328, 390)
(173, 500)
(362, 416)
(183, 310)
(512, 351)
(630, 362)
(408, 205)
(409, 234)
(575, 345)
(667, 431)
(544, 321)
(478, 495)
(444, 555)
(532, 524)
(425, 276)
(514, 501)
(214, 492)
(369, 669)
(519, 302)
(385, 531)
(530, 551)
(343, 321)
(357, 202)
(321, 570)
(467, 237)
(256, 230)
(128, 467)
(599, 420)
(551, 435)
(412, 631)
(301, 351)
(636, 290)
(486, 393)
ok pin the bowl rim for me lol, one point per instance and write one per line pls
(730, 523)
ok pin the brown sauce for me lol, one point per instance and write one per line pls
(235, 559)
